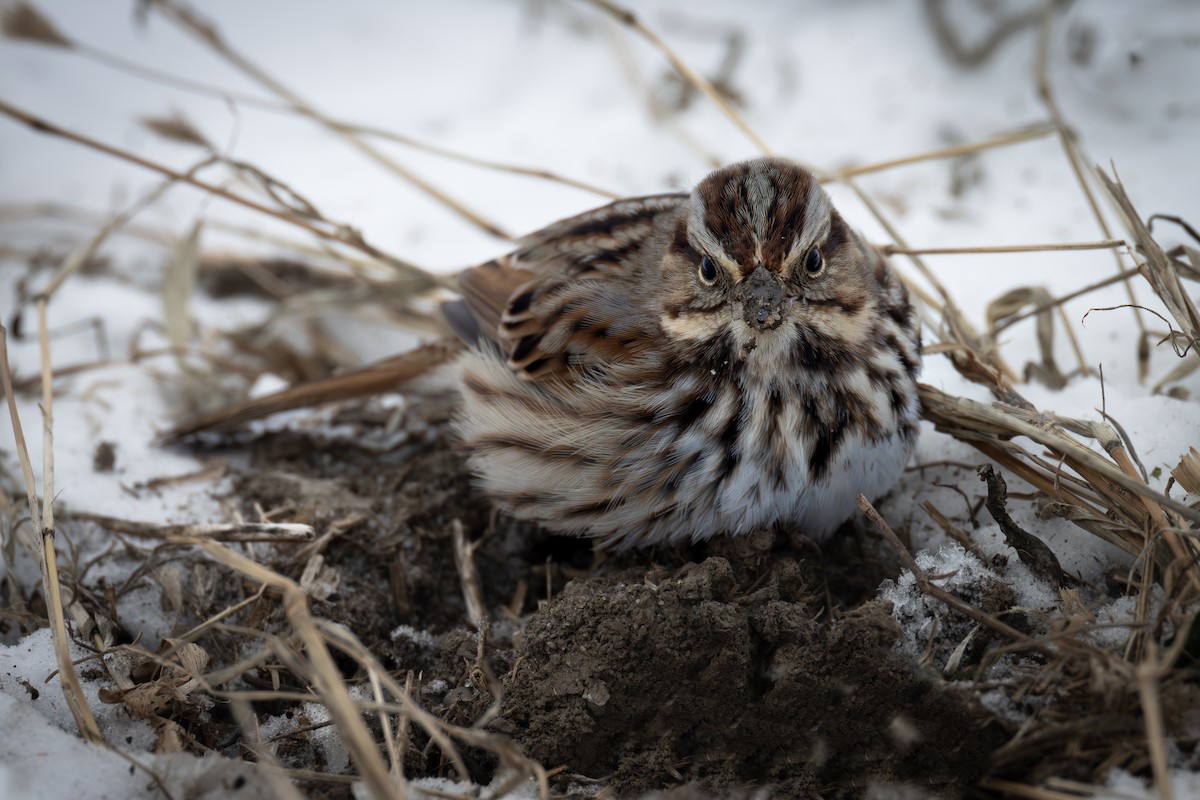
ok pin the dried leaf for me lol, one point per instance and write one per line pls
(1193, 255)
(199, 388)
(178, 285)
(1184, 368)
(25, 23)
(192, 659)
(171, 738)
(320, 580)
(177, 128)
(171, 583)
(1012, 303)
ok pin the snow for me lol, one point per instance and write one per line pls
(962, 573)
(556, 85)
(46, 763)
(1183, 784)
(316, 717)
(25, 675)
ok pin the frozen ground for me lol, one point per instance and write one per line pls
(555, 85)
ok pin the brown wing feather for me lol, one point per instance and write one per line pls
(564, 298)
(487, 290)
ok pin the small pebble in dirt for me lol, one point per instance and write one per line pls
(105, 457)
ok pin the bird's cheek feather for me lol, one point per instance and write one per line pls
(692, 325)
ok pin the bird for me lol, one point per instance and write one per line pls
(672, 367)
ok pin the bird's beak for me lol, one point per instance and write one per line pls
(762, 296)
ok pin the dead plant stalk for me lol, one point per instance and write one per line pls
(43, 522)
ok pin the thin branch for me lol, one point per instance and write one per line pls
(68, 678)
(325, 676)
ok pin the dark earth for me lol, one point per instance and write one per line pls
(709, 670)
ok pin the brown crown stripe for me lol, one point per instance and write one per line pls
(728, 209)
(681, 245)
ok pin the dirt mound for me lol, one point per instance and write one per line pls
(652, 680)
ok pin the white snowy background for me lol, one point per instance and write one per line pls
(555, 84)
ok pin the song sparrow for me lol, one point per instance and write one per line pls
(676, 366)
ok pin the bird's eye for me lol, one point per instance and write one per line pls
(813, 262)
(707, 271)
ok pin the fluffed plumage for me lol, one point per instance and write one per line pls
(676, 366)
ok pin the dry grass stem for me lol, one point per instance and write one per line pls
(386, 375)
(1159, 269)
(1041, 793)
(978, 421)
(1058, 302)
(72, 689)
(283, 533)
(1025, 135)
(335, 233)
(43, 520)
(85, 252)
(468, 574)
(275, 773)
(1108, 244)
(324, 673)
(1071, 145)
(952, 530)
(476, 161)
(204, 30)
(268, 645)
(18, 432)
(630, 20)
(1156, 736)
(24, 22)
(338, 261)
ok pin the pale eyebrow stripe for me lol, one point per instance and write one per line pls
(703, 236)
(816, 208)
